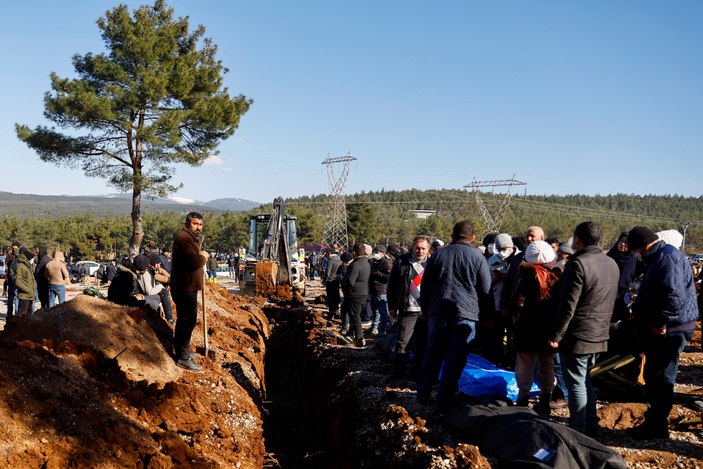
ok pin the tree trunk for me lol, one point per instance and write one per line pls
(137, 228)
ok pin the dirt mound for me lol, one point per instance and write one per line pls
(92, 384)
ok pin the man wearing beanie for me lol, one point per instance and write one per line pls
(665, 313)
(25, 282)
(496, 326)
(580, 330)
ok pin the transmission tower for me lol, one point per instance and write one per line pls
(335, 231)
(492, 222)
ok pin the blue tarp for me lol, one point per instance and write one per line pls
(481, 377)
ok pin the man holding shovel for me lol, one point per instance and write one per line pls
(187, 276)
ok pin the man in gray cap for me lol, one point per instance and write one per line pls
(495, 326)
(665, 314)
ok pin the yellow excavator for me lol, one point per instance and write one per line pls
(273, 260)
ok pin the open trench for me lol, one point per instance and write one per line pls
(327, 404)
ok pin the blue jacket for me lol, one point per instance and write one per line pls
(456, 283)
(667, 293)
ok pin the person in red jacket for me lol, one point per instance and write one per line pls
(187, 276)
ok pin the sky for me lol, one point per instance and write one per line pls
(591, 98)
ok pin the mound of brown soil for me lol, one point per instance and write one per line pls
(92, 384)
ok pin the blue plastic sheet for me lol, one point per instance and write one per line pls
(481, 377)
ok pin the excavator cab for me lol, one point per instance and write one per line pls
(272, 258)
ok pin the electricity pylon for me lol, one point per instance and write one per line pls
(492, 221)
(335, 231)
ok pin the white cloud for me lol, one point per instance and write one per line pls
(215, 160)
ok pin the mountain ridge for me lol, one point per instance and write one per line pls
(115, 204)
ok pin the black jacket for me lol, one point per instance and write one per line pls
(380, 271)
(399, 281)
(356, 280)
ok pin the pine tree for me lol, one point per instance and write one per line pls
(155, 98)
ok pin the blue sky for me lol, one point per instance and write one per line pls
(570, 97)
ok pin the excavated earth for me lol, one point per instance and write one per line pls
(92, 384)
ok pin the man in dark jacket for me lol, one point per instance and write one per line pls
(11, 278)
(355, 287)
(665, 313)
(580, 330)
(42, 281)
(403, 294)
(381, 267)
(187, 278)
(455, 288)
(332, 283)
(25, 282)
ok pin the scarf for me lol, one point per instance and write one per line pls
(418, 269)
(545, 279)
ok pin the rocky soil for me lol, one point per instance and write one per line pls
(92, 384)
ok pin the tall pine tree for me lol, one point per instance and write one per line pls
(155, 98)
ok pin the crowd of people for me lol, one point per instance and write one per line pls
(542, 308)
(531, 304)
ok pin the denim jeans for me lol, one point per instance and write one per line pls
(379, 303)
(582, 398)
(166, 303)
(662, 362)
(448, 342)
(57, 291)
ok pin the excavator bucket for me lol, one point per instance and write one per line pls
(266, 274)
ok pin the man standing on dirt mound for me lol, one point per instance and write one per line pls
(187, 278)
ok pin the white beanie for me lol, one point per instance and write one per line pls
(539, 252)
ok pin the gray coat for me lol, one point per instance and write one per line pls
(588, 291)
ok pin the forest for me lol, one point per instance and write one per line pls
(386, 217)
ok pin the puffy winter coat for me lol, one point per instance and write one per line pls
(667, 293)
(25, 279)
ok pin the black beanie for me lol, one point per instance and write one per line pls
(640, 236)
(141, 262)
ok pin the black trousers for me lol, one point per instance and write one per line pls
(186, 318)
(356, 306)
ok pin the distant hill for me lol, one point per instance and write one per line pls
(116, 204)
(233, 205)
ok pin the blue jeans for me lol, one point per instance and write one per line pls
(662, 362)
(582, 398)
(448, 342)
(379, 303)
(57, 291)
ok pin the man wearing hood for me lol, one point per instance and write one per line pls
(25, 282)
